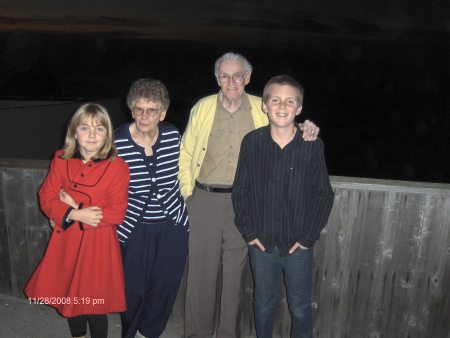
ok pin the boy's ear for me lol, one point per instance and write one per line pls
(264, 108)
(299, 110)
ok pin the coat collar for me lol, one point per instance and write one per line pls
(77, 155)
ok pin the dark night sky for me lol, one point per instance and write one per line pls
(376, 78)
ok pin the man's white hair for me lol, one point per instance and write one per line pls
(232, 56)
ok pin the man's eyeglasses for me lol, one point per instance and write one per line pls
(237, 78)
(138, 111)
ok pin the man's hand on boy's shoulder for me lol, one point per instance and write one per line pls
(310, 130)
(257, 243)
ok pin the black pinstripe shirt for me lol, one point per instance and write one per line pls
(281, 196)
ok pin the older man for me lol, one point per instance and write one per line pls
(208, 160)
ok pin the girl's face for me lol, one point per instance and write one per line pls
(91, 136)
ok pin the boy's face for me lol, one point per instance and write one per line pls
(282, 105)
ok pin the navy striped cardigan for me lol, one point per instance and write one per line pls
(154, 192)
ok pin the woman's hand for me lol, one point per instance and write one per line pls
(90, 216)
(66, 198)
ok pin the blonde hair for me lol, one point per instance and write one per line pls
(97, 113)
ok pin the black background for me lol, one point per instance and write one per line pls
(380, 96)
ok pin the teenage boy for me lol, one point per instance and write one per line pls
(282, 198)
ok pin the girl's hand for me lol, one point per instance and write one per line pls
(66, 198)
(90, 216)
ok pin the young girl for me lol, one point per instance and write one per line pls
(85, 195)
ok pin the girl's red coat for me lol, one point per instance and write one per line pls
(81, 271)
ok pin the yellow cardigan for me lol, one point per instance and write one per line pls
(195, 138)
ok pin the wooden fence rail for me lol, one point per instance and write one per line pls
(382, 265)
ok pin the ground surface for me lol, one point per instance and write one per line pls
(20, 319)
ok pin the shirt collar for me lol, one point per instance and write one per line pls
(297, 137)
(245, 104)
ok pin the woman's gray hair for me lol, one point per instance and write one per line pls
(232, 56)
(149, 90)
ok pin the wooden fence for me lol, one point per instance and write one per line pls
(382, 265)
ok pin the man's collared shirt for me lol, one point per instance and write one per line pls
(228, 130)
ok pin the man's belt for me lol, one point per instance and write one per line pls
(213, 189)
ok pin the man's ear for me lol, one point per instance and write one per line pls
(247, 78)
(299, 110)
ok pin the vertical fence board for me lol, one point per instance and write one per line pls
(438, 264)
(5, 264)
(27, 229)
(36, 227)
(367, 251)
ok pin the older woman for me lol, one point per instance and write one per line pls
(154, 234)
(85, 194)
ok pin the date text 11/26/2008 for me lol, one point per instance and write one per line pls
(66, 300)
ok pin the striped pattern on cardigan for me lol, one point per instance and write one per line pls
(154, 192)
